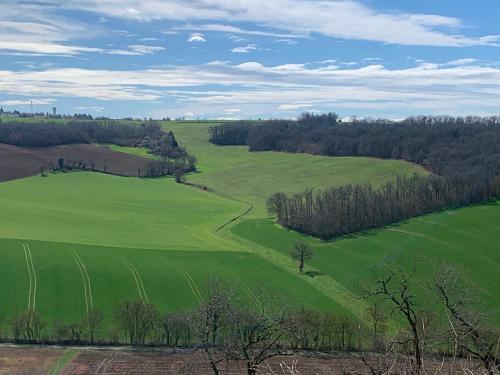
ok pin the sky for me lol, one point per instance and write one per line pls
(241, 59)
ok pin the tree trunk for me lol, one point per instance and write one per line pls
(251, 370)
(301, 265)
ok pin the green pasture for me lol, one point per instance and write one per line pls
(466, 238)
(98, 209)
(160, 240)
(251, 177)
(138, 151)
(69, 278)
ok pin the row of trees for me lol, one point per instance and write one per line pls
(448, 146)
(147, 134)
(395, 327)
(175, 160)
(462, 150)
(45, 134)
(352, 208)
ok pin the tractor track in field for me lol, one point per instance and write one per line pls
(192, 285)
(138, 280)
(32, 277)
(87, 288)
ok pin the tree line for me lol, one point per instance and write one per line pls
(446, 145)
(352, 208)
(175, 160)
(463, 151)
(395, 327)
(46, 134)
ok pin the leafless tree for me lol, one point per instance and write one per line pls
(93, 320)
(136, 318)
(301, 252)
(259, 332)
(395, 288)
(378, 323)
(210, 321)
(469, 329)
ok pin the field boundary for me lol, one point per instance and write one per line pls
(234, 219)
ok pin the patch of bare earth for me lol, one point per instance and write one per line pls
(27, 361)
(40, 360)
(20, 162)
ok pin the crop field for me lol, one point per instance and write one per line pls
(72, 241)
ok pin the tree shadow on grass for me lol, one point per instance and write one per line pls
(313, 274)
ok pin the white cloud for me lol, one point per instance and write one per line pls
(340, 19)
(196, 38)
(149, 39)
(25, 102)
(90, 109)
(257, 89)
(45, 48)
(246, 49)
(293, 107)
(145, 50)
(459, 62)
(237, 39)
(237, 30)
(234, 110)
(290, 42)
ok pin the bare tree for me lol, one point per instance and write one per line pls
(136, 318)
(93, 320)
(378, 322)
(259, 332)
(210, 321)
(301, 252)
(469, 329)
(395, 289)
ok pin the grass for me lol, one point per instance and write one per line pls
(168, 233)
(172, 280)
(98, 209)
(64, 359)
(467, 238)
(251, 177)
(138, 151)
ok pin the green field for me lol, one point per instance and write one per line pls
(120, 238)
(469, 238)
(252, 177)
(98, 209)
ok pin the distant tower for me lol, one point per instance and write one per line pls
(54, 111)
(31, 106)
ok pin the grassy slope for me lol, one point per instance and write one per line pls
(467, 238)
(92, 208)
(165, 275)
(135, 215)
(133, 150)
(234, 172)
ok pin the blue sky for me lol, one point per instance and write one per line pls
(251, 59)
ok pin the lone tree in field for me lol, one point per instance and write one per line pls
(301, 252)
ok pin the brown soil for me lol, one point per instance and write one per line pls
(23, 361)
(20, 162)
(26, 360)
